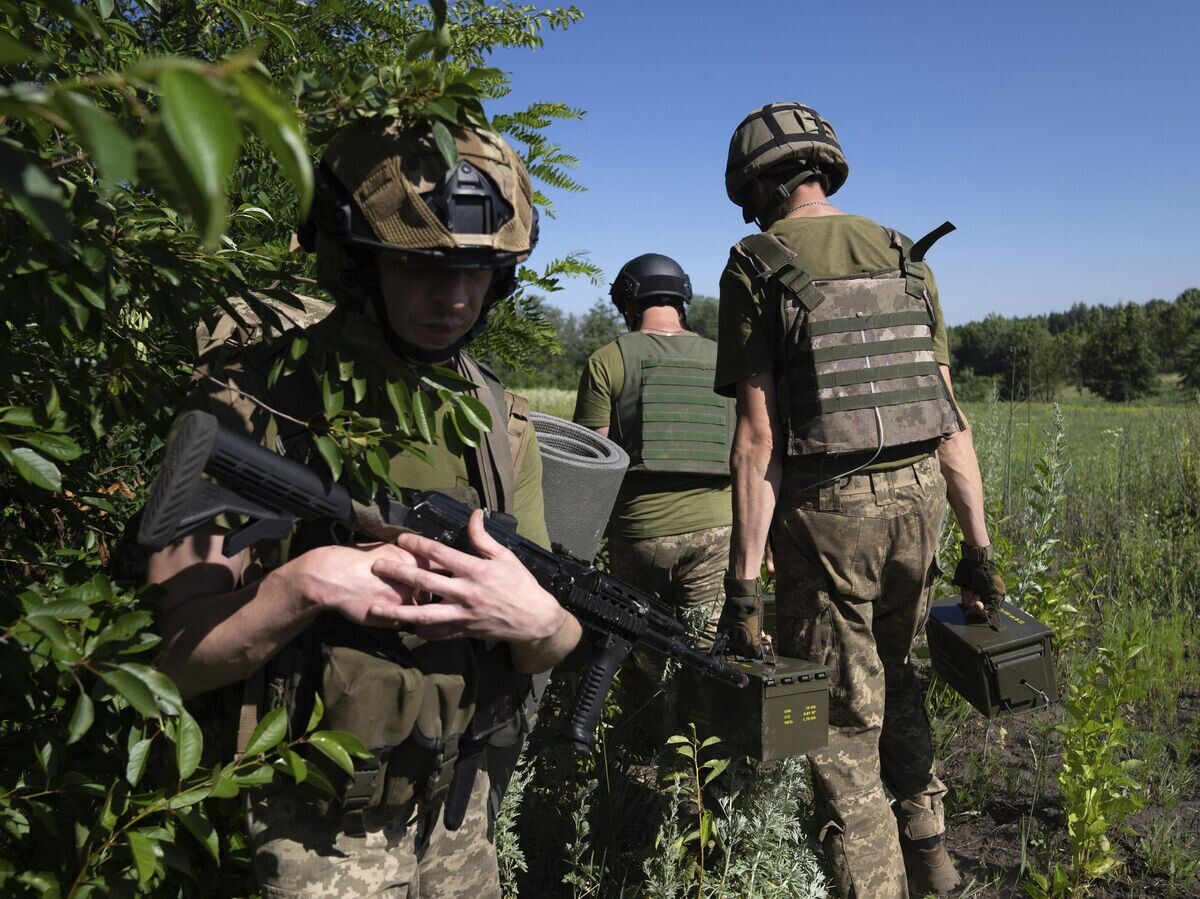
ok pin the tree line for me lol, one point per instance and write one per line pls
(1116, 352)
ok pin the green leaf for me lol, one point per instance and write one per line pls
(62, 609)
(438, 7)
(60, 644)
(12, 50)
(475, 412)
(35, 469)
(297, 348)
(295, 765)
(330, 453)
(445, 143)
(161, 686)
(440, 376)
(274, 121)
(135, 767)
(333, 750)
(57, 446)
(318, 713)
(82, 718)
(106, 8)
(133, 689)
(423, 415)
(201, 828)
(352, 744)
(21, 416)
(378, 462)
(36, 197)
(100, 134)
(715, 769)
(263, 774)
(269, 732)
(401, 400)
(466, 433)
(189, 797)
(332, 398)
(204, 135)
(141, 847)
(189, 744)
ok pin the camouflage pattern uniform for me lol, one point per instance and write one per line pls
(301, 853)
(856, 562)
(683, 570)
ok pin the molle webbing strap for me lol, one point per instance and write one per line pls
(775, 262)
(872, 400)
(854, 376)
(913, 271)
(674, 434)
(865, 350)
(867, 323)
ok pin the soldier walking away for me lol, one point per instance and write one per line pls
(422, 652)
(650, 391)
(848, 442)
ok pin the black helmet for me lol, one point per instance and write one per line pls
(650, 275)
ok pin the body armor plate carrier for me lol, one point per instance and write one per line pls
(667, 417)
(857, 372)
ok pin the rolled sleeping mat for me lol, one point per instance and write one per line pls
(581, 474)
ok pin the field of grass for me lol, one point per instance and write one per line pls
(1094, 510)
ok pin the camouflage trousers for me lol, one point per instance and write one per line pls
(300, 853)
(855, 567)
(685, 571)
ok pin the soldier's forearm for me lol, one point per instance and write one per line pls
(964, 486)
(756, 475)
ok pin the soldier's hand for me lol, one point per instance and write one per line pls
(741, 616)
(489, 596)
(982, 587)
(340, 579)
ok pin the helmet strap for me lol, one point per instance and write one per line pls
(783, 193)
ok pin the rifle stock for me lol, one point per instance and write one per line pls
(275, 493)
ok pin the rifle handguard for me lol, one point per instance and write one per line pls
(741, 616)
(977, 572)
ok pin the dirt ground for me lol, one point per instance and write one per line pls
(985, 832)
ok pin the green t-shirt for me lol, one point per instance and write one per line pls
(649, 504)
(827, 246)
(445, 464)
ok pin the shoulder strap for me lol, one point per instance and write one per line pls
(775, 262)
(495, 455)
(912, 256)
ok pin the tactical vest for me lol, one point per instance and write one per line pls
(856, 371)
(667, 416)
(426, 710)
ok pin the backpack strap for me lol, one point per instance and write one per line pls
(775, 262)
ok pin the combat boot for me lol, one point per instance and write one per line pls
(928, 865)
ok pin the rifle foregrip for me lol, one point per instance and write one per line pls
(609, 652)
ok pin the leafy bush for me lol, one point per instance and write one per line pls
(151, 159)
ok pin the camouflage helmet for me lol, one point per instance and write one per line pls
(650, 275)
(384, 187)
(791, 139)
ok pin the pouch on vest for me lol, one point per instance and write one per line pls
(857, 371)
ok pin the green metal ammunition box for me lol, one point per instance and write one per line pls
(999, 668)
(784, 711)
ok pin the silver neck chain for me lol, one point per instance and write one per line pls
(792, 209)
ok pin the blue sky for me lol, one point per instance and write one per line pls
(1062, 139)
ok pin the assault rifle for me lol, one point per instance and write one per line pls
(275, 493)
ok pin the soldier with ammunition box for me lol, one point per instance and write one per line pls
(848, 441)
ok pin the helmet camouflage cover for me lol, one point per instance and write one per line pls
(383, 186)
(783, 137)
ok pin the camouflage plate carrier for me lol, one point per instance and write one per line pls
(667, 417)
(857, 372)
